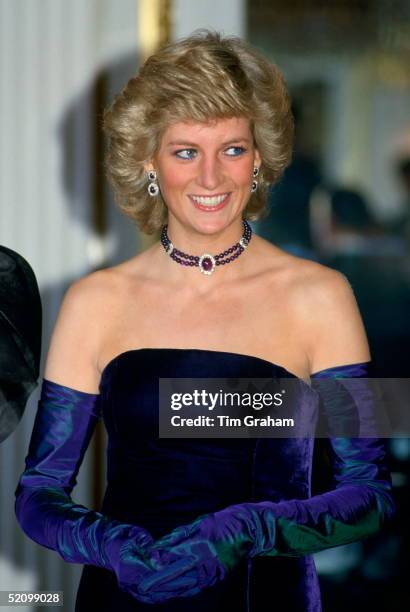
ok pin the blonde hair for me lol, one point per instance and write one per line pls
(200, 78)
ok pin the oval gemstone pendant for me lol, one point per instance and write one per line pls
(206, 263)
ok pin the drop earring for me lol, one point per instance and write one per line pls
(153, 188)
(255, 182)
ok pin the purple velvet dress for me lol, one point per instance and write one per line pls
(160, 484)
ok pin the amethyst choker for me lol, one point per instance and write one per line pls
(207, 262)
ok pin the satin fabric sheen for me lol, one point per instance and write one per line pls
(159, 484)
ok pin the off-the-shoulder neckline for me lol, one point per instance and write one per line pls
(114, 360)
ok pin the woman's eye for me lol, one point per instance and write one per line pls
(235, 151)
(185, 153)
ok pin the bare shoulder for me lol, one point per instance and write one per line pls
(89, 299)
(88, 307)
(332, 325)
(84, 290)
(304, 279)
(322, 310)
(313, 283)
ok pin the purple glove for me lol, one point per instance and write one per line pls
(64, 424)
(357, 507)
(217, 542)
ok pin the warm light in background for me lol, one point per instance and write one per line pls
(154, 24)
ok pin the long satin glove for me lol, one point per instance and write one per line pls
(357, 507)
(64, 424)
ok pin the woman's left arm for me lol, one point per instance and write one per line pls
(358, 505)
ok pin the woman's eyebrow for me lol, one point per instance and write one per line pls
(181, 143)
(184, 143)
(235, 140)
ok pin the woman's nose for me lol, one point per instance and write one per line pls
(210, 173)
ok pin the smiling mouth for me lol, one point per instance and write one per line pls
(210, 201)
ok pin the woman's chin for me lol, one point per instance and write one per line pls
(214, 225)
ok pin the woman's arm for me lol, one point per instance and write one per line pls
(78, 334)
(334, 333)
(357, 507)
(67, 414)
(361, 500)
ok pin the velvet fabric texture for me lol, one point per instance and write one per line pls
(158, 485)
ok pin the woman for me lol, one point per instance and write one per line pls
(194, 139)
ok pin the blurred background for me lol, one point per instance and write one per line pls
(344, 201)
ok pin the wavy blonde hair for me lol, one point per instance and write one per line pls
(200, 78)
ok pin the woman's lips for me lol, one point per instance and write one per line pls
(200, 202)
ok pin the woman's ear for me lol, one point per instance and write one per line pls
(258, 159)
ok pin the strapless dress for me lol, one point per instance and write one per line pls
(159, 483)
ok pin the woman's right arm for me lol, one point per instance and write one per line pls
(78, 335)
(68, 411)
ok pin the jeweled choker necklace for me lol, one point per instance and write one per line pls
(207, 262)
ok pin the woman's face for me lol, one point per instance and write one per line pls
(205, 172)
